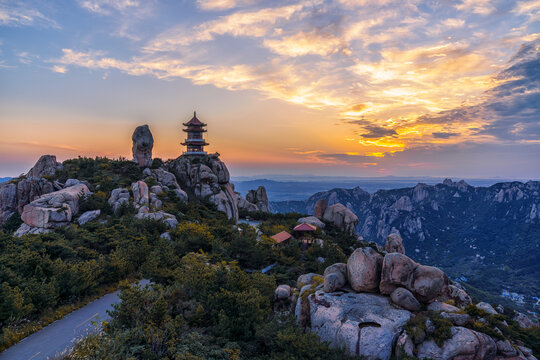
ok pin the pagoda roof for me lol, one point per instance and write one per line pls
(305, 227)
(194, 121)
(281, 237)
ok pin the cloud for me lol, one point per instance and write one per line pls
(20, 15)
(444, 135)
(59, 69)
(303, 43)
(374, 131)
(223, 4)
(105, 7)
(482, 7)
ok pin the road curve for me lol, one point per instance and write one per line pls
(59, 337)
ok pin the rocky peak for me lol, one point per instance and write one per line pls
(45, 166)
(143, 142)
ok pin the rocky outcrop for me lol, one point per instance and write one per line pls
(119, 197)
(88, 216)
(206, 177)
(464, 344)
(362, 324)
(140, 193)
(394, 243)
(243, 204)
(405, 299)
(25, 229)
(320, 208)
(341, 217)
(312, 220)
(259, 198)
(54, 209)
(17, 193)
(143, 142)
(45, 166)
(335, 277)
(168, 219)
(167, 182)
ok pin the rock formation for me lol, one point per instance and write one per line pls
(320, 208)
(341, 311)
(206, 177)
(15, 194)
(143, 142)
(341, 217)
(54, 209)
(259, 198)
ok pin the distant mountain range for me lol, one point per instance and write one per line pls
(490, 236)
(284, 187)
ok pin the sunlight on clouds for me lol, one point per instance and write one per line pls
(223, 4)
(305, 43)
(482, 7)
(59, 69)
(105, 6)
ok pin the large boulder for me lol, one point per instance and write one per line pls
(88, 216)
(54, 209)
(8, 201)
(312, 220)
(524, 321)
(364, 269)
(335, 277)
(343, 218)
(143, 142)
(429, 282)
(25, 229)
(487, 308)
(362, 324)
(320, 208)
(405, 299)
(464, 344)
(45, 166)
(140, 193)
(243, 204)
(394, 243)
(168, 219)
(259, 198)
(282, 292)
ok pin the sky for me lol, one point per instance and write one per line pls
(341, 88)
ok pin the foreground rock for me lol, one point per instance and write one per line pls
(464, 344)
(343, 218)
(45, 166)
(364, 269)
(394, 243)
(361, 324)
(88, 216)
(54, 209)
(143, 142)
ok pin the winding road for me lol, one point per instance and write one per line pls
(58, 338)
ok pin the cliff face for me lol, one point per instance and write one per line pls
(206, 177)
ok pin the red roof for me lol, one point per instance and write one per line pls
(282, 236)
(305, 227)
(194, 121)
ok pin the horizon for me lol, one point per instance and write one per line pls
(288, 88)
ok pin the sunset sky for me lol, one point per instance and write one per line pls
(344, 87)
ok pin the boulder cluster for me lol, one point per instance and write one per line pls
(367, 305)
(255, 200)
(338, 214)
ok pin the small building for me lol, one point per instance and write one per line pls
(282, 237)
(305, 232)
(194, 142)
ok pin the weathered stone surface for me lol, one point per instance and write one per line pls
(335, 277)
(525, 350)
(364, 269)
(362, 324)
(140, 193)
(54, 209)
(306, 279)
(429, 282)
(26, 229)
(118, 198)
(8, 201)
(205, 177)
(465, 344)
(282, 292)
(156, 189)
(259, 198)
(166, 218)
(320, 208)
(71, 182)
(523, 320)
(438, 306)
(343, 218)
(486, 307)
(243, 204)
(456, 319)
(405, 299)
(459, 295)
(45, 166)
(397, 271)
(88, 216)
(394, 243)
(404, 345)
(181, 194)
(31, 188)
(143, 142)
(506, 349)
(312, 220)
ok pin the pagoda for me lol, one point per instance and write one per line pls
(194, 142)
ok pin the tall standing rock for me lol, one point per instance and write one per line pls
(143, 142)
(364, 269)
(45, 166)
(259, 198)
(320, 208)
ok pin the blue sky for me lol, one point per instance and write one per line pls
(345, 87)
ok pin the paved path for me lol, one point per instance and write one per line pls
(60, 336)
